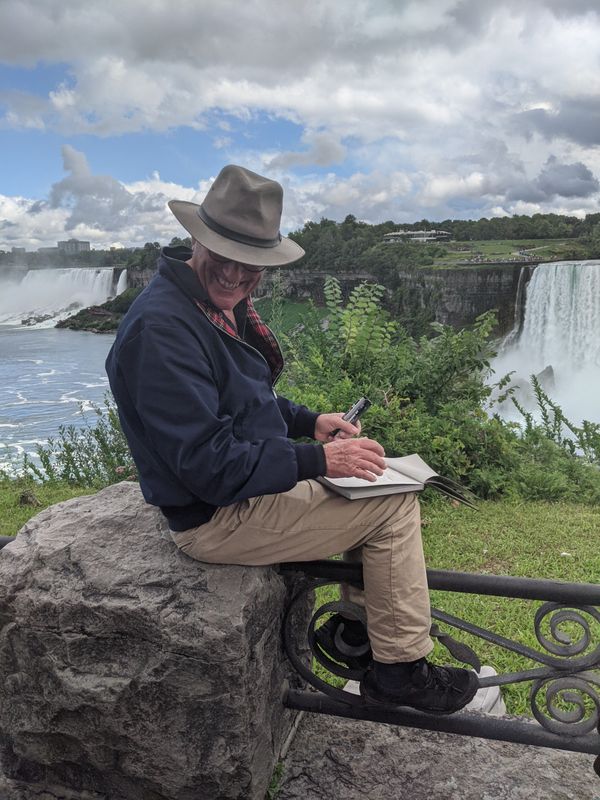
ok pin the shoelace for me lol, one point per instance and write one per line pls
(438, 677)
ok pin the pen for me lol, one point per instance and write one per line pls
(353, 415)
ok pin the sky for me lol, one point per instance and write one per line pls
(385, 109)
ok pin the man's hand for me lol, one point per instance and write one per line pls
(354, 458)
(327, 423)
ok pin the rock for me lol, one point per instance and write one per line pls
(28, 498)
(546, 378)
(130, 671)
(344, 759)
(36, 319)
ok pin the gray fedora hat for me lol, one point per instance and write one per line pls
(239, 219)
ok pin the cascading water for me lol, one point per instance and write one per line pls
(562, 316)
(561, 330)
(122, 282)
(44, 295)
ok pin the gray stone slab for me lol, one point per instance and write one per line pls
(341, 759)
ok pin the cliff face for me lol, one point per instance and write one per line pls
(453, 297)
(461, 295)
(139, 278)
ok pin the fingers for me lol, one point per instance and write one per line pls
(354, 458)
(331, 426)
(347, 430)
(371, 444)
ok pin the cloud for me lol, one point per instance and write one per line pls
(324, 150)
(575, 119)
(567, 180)
(400, 110)
(98, 208)
(384, 67)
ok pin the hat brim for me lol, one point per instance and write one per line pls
(286, 252)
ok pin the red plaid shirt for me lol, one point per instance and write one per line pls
(267, 344)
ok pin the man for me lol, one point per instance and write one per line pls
(192, 371)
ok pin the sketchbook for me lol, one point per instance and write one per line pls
(405, 474)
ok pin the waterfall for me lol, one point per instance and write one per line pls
(560, 339)
(562, 316)
(122, 282)
(513, 336)
(42, 296)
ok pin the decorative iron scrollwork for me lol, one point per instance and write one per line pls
(560, 706)
(562, 644)
(565, 676)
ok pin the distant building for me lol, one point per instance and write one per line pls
(73, 246)
(18, 251)
(417, 236)
(47, 250)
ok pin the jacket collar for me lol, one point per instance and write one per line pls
(172, 266)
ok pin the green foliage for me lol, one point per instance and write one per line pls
(104, 318)
(93, 456)
(429, 396)
(275, 784)
(122, 301)
(582, 440)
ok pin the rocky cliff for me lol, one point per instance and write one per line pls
(461, 295)
(453, 297)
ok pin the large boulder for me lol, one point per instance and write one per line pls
(129, 671)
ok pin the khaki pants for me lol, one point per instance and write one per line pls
(311, 522)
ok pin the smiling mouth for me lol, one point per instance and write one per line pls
(229, 285)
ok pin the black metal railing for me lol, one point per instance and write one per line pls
(564, 676)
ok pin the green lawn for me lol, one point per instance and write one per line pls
(457, 253)
(285, 316)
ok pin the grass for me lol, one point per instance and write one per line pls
(285, 315)
(493, 250)
(15, 512)
(531, 539)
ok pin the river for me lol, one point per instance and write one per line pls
(47, 376)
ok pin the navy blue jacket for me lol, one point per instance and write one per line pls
(197, 405)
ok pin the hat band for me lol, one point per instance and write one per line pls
(234, 235)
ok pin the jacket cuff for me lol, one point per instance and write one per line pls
(304, 424)
(311, 461)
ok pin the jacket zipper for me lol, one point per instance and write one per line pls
(241, 341)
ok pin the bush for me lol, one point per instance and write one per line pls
(120, 304)
(94, 456)
(429, 397)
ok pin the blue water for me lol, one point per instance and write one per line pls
(47, 376)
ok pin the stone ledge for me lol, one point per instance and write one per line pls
(342, 759)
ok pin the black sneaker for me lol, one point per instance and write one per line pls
(352, 651)
(434, 690)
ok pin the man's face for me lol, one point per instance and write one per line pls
(226, 282)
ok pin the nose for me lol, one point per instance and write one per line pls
(233, 270)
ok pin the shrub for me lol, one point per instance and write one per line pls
(429, 397)
(94, 456)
